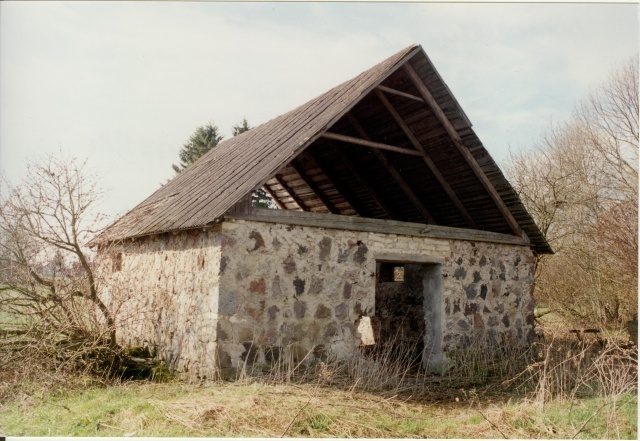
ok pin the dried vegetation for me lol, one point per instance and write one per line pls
(581, 186)
(563, 388)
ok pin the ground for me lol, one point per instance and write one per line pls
(564, 388)
(255, 409)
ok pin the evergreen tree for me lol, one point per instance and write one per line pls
(203, 139)
(207, 137)
(240, 128)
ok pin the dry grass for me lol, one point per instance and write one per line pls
(229, 409)
(38, 359)
(564, 389)
(41, 354)
(304, 410)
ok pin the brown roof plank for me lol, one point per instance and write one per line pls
(427, 159)
(314, 188)
(463, 150)
(393, 172)
(368, 143)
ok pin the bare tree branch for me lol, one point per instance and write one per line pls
(581, 186)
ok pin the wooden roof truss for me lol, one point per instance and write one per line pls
(390, 144)
(329, 190)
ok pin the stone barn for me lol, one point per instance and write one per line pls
(393, 225)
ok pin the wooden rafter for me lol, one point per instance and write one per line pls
(274, 196)
(369, 143)
(399, 93)
(397, 66)
(394, 173)
(292, 193)
(342, 189)
(372, 191)
(243, 205)
(427, 159)
(314, 188)
(466, 154)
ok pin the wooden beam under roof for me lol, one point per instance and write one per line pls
(292, 193)
(354, 202)
(372, 191)
(466, 154)
(273, 185)
(427, 159)
(314, 188)
(354, 223)
(369, 143)
(394, 173)
(273, 195)
(399, 93)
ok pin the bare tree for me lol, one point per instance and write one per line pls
(609, 118)
(48, 288)
(581, 186)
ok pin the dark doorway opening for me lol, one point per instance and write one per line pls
(406, 324)
(398, 323)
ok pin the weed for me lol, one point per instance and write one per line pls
(563, 389)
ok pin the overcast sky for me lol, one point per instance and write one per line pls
(125, 84)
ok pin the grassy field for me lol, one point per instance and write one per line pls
(254, 409)
(561, 388)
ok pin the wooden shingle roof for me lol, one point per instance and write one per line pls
(391, 143)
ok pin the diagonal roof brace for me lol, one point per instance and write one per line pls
(375, 195)
(400, 93)
(314, 189)
(427, 159)
(394, 173)
(466, 154)
(275, 198)
(368, 143)
(291, 193)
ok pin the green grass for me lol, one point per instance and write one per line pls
(255, 409)
(8, 319)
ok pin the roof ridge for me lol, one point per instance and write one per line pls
(187, 175)
(203, 192)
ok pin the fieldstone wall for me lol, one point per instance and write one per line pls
(247, 291)
(488, 295)
(164, 293)
(301, 290)
(304, 290)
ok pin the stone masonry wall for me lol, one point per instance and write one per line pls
(165, 296)
(247, 291)
(306, 288)
(488, 294)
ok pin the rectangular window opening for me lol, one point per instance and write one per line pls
(391, 272)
